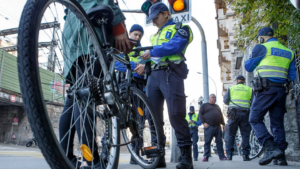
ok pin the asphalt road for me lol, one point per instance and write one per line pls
(21, 157)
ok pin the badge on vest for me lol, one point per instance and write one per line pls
(182, 32)
(168, 35)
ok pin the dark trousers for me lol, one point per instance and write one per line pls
(272, 100)
(195, 137)
(74, 113)
(209, 133)
(242, 122)
(85, 135)
(159, 89)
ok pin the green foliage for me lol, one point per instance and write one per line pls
(281, 15)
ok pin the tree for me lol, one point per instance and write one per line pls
(281, 15)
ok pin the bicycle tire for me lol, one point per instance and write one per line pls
(31, 84)
(260, 151)
(142, 161)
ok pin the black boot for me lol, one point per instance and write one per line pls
(185, 159)
(270, 152)
(246, 158)
(282, 160)
(132, 160)
(229, 157)
(275, 162)
(161, 163)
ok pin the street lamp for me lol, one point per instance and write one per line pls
(214, 83)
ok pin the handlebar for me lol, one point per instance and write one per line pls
(138, 49)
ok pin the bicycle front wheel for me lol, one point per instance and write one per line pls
(143, 130)
(53, 35)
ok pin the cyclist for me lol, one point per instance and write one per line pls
(120, 39)
(166, 79)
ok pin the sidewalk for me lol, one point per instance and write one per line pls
(215, 163)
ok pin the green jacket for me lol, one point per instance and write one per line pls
(70, 39)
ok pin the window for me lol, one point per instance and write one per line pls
(226, 45)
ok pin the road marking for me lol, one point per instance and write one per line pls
(21, 154)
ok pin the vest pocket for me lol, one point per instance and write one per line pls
(179, 104)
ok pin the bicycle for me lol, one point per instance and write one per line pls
(118, 110)
(30, 142)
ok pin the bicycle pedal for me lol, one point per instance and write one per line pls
(86, 152)
(151, 152)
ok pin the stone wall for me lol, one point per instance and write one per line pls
(291, 130)
(21, 130)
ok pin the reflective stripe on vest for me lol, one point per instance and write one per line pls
(194, 118)
(163, 36)
(240, 96)
(277, 61)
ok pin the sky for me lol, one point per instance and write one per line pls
(203, 10)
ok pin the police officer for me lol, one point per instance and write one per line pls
(274, 64)
(239, 98)
(194, 122)
(166, 79)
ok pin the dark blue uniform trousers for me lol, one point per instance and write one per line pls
(272, 100)
(209, 133)
(159, 89)
(242, 121)
(195, 137)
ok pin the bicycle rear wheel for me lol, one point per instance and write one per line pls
(45, 53)
(256, 148)
(143, 131)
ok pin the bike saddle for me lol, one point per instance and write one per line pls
(101, 12)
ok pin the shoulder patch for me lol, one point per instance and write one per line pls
(168, 35)
(182, 32)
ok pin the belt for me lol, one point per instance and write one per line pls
(274, 84)
(156, 67)
(195, 127)
(242, 111)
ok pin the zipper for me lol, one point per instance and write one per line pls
(158, 37)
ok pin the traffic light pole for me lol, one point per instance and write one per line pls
(204, 61)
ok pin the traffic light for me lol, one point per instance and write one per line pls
(179, 6)
(145, 8)
(180, 10)
(147, 4)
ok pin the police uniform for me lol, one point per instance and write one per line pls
(170, 44)
(194, 130)
(275, 64)
(238, 97)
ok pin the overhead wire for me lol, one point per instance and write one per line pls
(135, 20)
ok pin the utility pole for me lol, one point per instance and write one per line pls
(52, 55)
